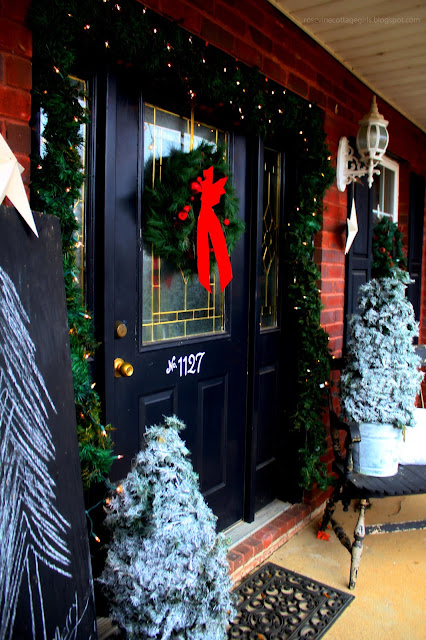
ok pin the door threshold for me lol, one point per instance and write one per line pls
(241, 530)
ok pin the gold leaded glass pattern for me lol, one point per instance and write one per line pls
(269, 280)
(174, 306)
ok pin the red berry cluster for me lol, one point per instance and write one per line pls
(196, 185)
(195, 188)
(182, 215)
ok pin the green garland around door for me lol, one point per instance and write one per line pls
(161, 53)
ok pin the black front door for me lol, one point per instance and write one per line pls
(188, 349)
(212, 360)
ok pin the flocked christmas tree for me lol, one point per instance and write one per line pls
(382, 377)
(166, 571)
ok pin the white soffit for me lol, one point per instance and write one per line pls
(383, 43)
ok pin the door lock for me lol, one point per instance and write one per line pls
(122, 368)
(120, 329)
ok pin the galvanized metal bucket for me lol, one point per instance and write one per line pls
(378, 452)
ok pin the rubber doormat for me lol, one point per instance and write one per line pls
(277, 604)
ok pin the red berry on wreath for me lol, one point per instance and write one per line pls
(187, 208)
(182, 215)
(192, 198)
(195, 187)
(226, 222)
(199, 179)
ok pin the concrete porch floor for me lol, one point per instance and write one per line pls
(390, 594)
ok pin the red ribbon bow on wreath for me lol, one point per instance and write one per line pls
(209, 225)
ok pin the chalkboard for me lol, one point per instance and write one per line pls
(46, 587)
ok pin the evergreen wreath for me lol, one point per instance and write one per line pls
(158, 50)
(171, 207)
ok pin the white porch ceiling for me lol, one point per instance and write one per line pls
(383, 43)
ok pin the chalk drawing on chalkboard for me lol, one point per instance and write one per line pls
(32, 530)
(74, 618)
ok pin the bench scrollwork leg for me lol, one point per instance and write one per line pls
(359, 535)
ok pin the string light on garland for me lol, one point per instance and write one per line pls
(89, 518)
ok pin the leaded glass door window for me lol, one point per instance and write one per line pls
(175, 306)
(270, 225)
(79, 208)
(269, 347)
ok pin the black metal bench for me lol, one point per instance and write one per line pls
(410, 480)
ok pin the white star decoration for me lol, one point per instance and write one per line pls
(11, 184)
(352, 228)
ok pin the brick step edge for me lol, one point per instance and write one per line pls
(251, 552)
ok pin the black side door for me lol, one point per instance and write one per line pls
(358, 260)
(267, 351)
(415, 244)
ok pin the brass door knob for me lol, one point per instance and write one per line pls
(122, 368)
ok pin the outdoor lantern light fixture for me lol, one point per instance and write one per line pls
(371, 141)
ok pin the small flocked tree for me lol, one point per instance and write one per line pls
(166, 572)
(382, 377)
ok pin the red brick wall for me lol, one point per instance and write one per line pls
(15, 80)
(256, 33)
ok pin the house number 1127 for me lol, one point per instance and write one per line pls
(187, 364)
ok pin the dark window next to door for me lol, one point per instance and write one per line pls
(415, 250)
